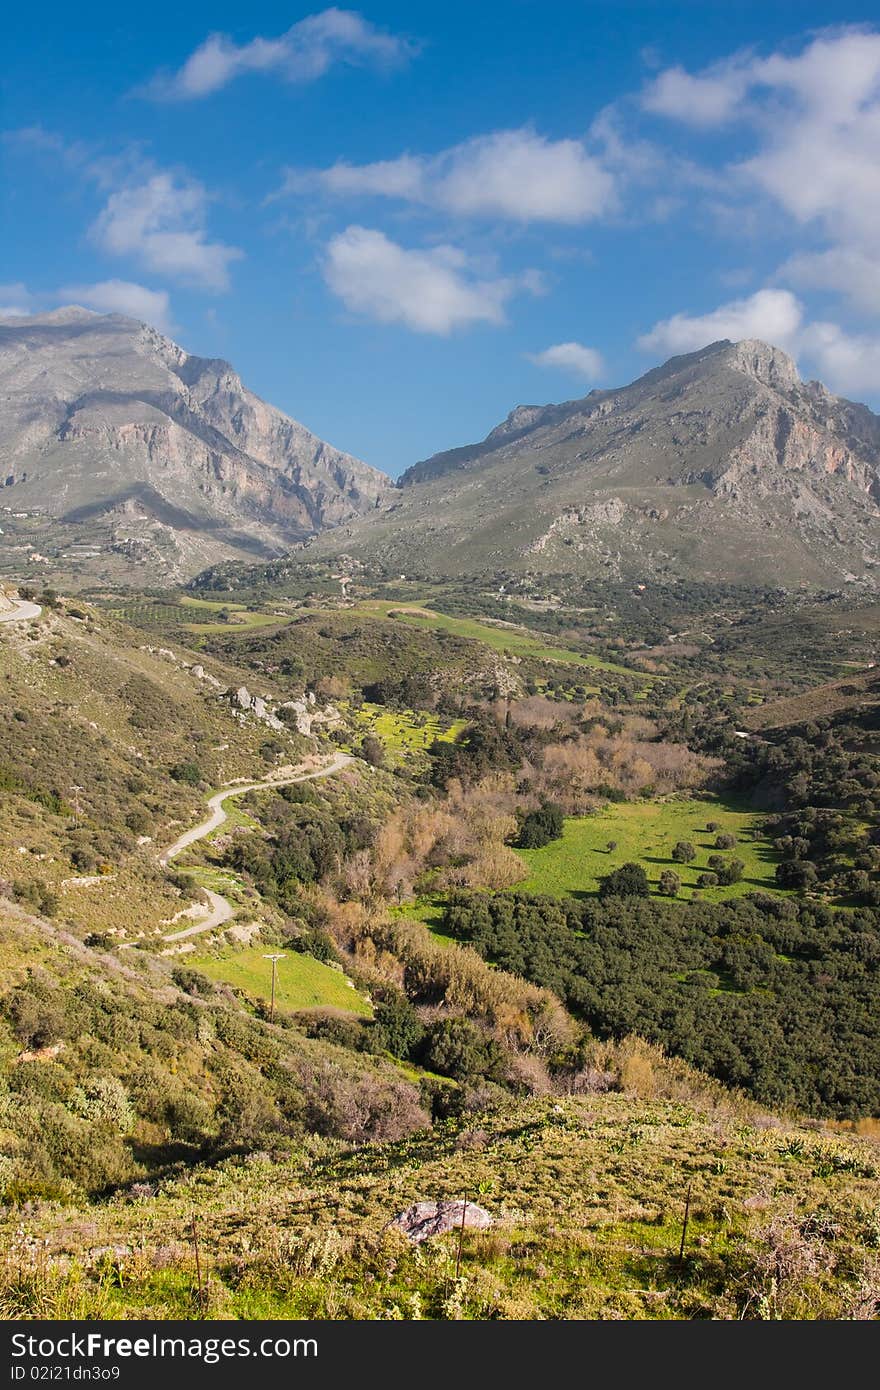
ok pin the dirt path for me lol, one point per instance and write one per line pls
(221, 908)
(221, 911)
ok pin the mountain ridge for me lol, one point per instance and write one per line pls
(103, 417)
(718, 463)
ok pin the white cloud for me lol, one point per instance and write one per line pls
(772, 315)
(16, 301)
(710, 99)
(815, 118)
(848, 363)
(302, 54)
(513, 174)
(585, 362)
(122, 297)
(430, 291)
(852, 272)
(161, 224)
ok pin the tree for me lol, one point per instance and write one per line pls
(541, 826)
(456, 1047)
(712, 826)
(397, 1026)
(670, 883)
(629, 881)
(373, 751)
(725, 841)
(683, 852)
(189, 773)
(796, 873)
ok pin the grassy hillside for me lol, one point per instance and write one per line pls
(108, 745)
(587, 1195)
(301, 981)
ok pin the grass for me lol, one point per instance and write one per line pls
(587, 1197)
(510, 641)
(301, 981)
(646, 831)
(402, 732)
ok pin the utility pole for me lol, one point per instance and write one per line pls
(274, 959)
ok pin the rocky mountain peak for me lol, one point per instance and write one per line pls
(102, 417)
(766, 363)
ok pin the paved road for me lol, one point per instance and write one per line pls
(221, 908)
(22, 612)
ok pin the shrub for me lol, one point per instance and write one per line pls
(373, 751)
(629, 881)
(397, 1026)
(540, 827)
(188, 773)
(456, 1047)
(725, 841)
(684, 852)
(670, 883)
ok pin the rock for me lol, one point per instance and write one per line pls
(243, 697)
(425, 1219)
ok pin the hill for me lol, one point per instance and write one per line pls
(125, 455)
(719, 464)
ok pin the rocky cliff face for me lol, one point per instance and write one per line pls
(721, 464)
(104, 421)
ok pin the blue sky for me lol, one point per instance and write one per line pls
(400, 221)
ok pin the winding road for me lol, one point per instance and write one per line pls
(221, 908)
(23, 611)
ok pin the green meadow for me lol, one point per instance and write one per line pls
(513, 641)
(646, 831)
(301, 981)
(402, 732)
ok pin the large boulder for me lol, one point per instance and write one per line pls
(425, 1219)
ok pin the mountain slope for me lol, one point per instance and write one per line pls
(116, 433)
(720, 464)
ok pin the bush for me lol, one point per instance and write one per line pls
(540, 827)
(188, 773)
(725, 841)
(684, 852)
(456, 1047)
(670, 883)
(373, 751)
(397, 1028)
(629, 881)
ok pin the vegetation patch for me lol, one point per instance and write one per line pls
(510, 641)
(647, 832)
(301, 982)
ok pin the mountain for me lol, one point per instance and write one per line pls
(115, 440)
(721, 464)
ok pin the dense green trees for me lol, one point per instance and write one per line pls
(791, 1015)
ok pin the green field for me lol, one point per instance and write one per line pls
(301, 981)
(182, 613)
(513, 641)
(402, 731)
(646, 831)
